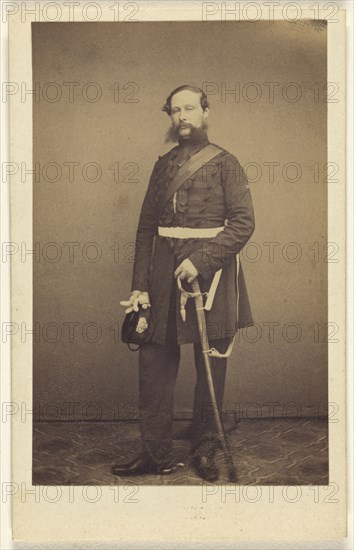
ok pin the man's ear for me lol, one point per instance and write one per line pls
(206, 112)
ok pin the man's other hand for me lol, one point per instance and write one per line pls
(186, 270)
(136, 298)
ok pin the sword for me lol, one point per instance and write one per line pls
(198, 297)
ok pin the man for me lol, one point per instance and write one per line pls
(193, 230)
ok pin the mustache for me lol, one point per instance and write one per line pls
(172, 134)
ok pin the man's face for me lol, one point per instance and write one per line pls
(187, 112)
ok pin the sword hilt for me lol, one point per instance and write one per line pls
(185, 295)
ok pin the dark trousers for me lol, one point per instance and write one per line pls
(158, 368)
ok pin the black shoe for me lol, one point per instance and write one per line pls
(140, 466)
(206, 467)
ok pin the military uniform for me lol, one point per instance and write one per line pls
(216, 195)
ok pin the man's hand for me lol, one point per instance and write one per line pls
(136, 298)
(186, 270)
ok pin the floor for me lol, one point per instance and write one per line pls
(266, 452)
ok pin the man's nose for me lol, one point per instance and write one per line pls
(183, 115)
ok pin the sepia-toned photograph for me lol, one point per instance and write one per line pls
(176, 217)
(180, 178)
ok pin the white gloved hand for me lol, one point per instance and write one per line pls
(137, 297)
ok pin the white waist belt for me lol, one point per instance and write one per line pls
(189, 232)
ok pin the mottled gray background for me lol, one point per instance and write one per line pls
(101, 377)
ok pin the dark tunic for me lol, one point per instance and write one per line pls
(216, 194)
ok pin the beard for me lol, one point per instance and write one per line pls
(173, 135)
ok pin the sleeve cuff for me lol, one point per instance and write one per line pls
(203, 267)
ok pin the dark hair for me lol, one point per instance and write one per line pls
(203, 98)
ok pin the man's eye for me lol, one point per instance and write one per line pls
(174, 111)
(189, 108)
